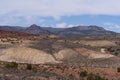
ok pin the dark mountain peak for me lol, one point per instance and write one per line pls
(80, 27)
(35, 29)
(34, 26)
(93, 27)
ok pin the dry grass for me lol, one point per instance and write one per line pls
(99, 43)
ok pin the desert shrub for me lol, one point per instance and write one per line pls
(116, 54)
(12, 65)
(83, 74)
(110, 49)
(118, 69)
(71, 76)
(29, 67)
(92, 76)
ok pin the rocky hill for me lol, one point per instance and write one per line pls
(5, 34)
(84, 30)
(34, 29)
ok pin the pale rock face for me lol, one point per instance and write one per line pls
(102, 50)
(93, 54)
(65, 54)
(26, 55)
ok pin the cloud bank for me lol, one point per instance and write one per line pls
(112, 26)
(58, 8)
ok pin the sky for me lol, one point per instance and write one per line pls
(61, 13)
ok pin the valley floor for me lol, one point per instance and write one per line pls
(59, 58)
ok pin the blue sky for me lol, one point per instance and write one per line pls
(61, 13)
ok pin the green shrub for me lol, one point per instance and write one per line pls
(83, 74)
(118, 69)
(12, 65)
(71, 76)
(29, 67)
(92, 76)
(116, 53)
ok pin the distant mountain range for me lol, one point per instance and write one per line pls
(73, 31)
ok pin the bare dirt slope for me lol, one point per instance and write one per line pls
(53, 53)
(48, 50)
(93, 54)
(26, 55)
(65, 54)
(34, 56)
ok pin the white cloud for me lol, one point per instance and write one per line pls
(61, 25)
(58, 8)
(112, 26)
(65, 25)
(72, 25)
